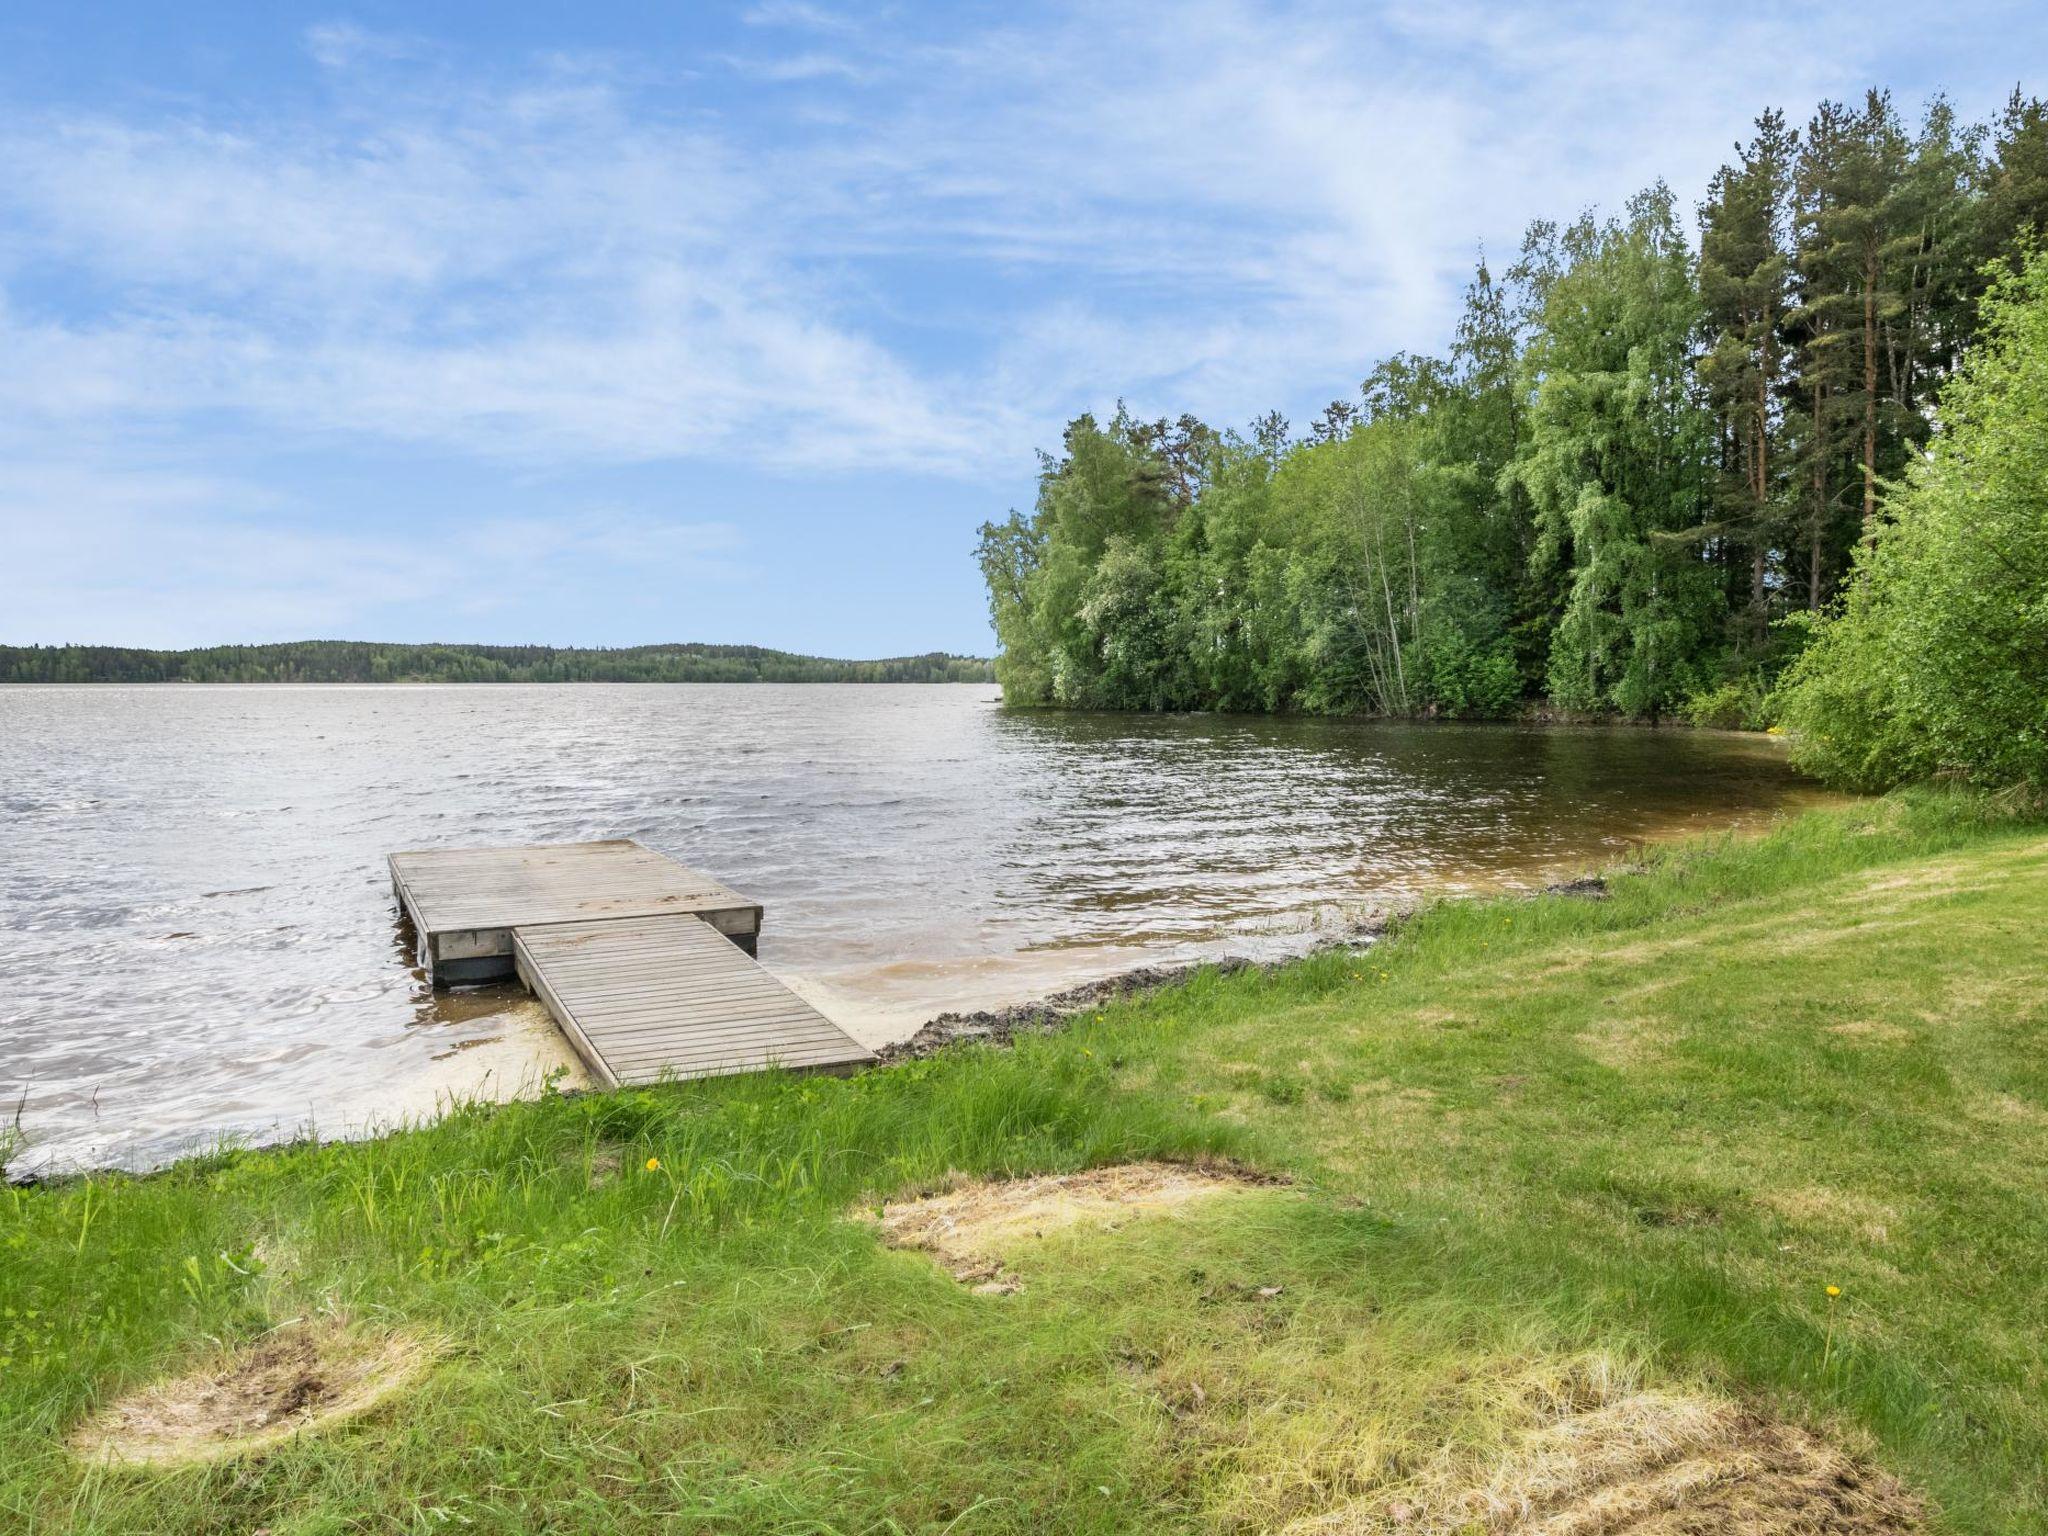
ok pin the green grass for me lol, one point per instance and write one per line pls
(1533, 1141)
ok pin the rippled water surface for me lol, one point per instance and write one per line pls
(199, 937)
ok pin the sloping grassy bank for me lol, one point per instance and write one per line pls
(1545, 1152)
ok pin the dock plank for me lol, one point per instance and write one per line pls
(669, 996)
(465, 902)
(483, 888)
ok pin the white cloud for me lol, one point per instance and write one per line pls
(154, 557)
(802, 68)
(341, 44)
(527, 278)
(127, 556)
(795, 14)
(1302, 193)
(1240, 208)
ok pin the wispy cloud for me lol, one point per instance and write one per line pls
(843, 243)
(801, 68)
(519, 277)
(1213, 214)
(148, 556)
(340, 44)
(795, 13)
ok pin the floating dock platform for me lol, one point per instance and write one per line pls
(647, 965)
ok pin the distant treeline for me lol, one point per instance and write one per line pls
(356, 661)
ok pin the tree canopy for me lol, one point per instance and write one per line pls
(1645, 449)
(1937, 664)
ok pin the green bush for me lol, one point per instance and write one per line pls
(1937, 663)
(1741, 704)
(1471, 679)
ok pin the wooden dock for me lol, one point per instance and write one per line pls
(647, 965)
(465, 902)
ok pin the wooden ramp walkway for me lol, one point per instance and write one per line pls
(647, 965)
(651, 997)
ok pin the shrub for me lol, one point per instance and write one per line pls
(1937, 663)
(1470, 678)
(1741, 704)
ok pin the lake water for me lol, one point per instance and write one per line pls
(197, 937)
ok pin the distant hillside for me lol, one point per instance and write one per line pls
(359, 661)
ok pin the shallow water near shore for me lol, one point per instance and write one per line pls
(200, 942)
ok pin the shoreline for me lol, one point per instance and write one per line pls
(1534, 712)
(1045, 1015)
(1459, 1157)
(532, 1048)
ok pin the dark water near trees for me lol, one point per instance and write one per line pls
(197, 936)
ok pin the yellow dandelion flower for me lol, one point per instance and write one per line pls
(1834, 1290)
(653, 1164)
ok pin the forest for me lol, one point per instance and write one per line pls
(354, 661)
(1635, 485)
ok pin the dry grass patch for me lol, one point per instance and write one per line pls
(1384, 1101)
(1437, 1016)
(1966, 998)
(972, 1227)
(2006, 1109)
(1647, 1464)
(602, 1163)
(1625, 1042)
(1872, 1029)
(302, 1377)
(1920, 880)
(1821, 1205)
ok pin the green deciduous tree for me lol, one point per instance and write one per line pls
(1938, 661)
(1615, 459)
(1637, 458)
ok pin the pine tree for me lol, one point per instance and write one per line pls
(1745, 291)
(1831, 212)
(2015, 201)
(1935, 252)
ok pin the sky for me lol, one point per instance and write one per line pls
(625, 323)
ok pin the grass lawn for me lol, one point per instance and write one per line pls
(1549, 1158)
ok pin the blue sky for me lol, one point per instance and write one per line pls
(607, 324)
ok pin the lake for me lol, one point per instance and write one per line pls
(200, 939)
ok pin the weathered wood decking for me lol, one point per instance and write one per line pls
(646, 965)
(465, 902)
(645, 998)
